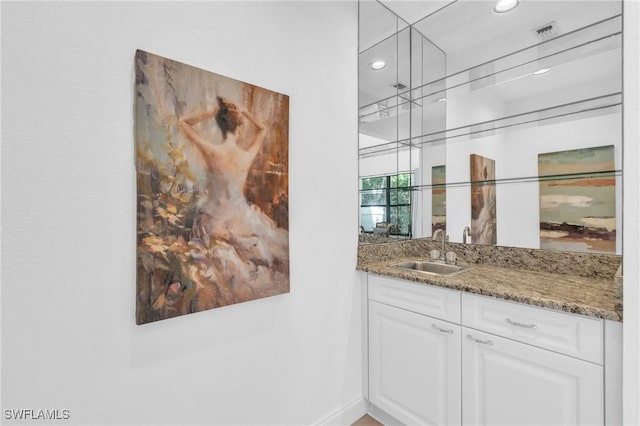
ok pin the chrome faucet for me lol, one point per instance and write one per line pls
(443, 248)
(466, 232)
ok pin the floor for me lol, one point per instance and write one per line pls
(367, 420)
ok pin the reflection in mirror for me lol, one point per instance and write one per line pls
(509, 124)
(391, 114)
(385, 164)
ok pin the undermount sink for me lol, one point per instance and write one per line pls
(435, 268)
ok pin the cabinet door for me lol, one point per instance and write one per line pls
(511, 383)
(414, 366)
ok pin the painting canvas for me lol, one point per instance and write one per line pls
(483, 200)
(212, 199)
(438, 199)
(578, 200)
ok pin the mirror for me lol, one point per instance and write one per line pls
(508, 123)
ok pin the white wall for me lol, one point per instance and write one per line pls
(390, 163)
(69, 339)
(631, 215)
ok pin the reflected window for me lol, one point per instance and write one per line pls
(385, 204)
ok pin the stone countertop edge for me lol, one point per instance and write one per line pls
(593, 297)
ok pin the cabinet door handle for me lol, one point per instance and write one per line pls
(519, 324)
(442, 330)
(484, 342)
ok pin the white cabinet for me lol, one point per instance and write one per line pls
(436, 302)
(574, 335)
(414, 364)
(442, 357)
(510, 383)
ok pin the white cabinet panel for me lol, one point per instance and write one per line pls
(424, 299)
(613, 373)
(414, 364)
(508, 383)
(574, 335)
(428, 371)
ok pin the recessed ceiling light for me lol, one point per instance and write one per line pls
(504, 6)
(442, 100)
(542, 71)
(377, 65)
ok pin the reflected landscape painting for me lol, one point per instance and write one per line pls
(578, 213)
(212, 179)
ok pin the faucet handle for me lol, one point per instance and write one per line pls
(451, 257)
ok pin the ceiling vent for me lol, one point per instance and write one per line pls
(399, 86)
(547, 31)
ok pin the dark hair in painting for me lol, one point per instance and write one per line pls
(228, 116)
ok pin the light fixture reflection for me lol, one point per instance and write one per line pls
(504, 6)
(377, 65)
(542, 71)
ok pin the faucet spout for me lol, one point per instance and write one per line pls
(466, 232)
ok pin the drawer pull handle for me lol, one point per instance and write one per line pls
(442, 330)
(519, 324)
(484, 342)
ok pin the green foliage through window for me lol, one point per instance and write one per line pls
(387, 199)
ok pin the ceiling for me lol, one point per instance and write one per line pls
(469, 33)
(412, 11)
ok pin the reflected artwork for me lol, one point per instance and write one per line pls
(578, 212)
(212, 181)
(483, 200)
(438, 199)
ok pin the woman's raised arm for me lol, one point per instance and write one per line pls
(195, 119)
(259, 137)
(186, 125)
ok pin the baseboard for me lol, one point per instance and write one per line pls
(382, 416)
(346, 415)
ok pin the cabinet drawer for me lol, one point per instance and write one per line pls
(574, 335)
(421, 298)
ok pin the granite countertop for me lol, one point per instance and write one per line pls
(590, 296)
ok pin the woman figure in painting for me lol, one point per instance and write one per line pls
(226, 216)
(483, 214)
(227, 159)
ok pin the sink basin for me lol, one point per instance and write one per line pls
(435, 268)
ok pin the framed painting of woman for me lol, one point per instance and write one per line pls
(212, 188)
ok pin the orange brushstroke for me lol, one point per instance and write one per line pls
(584, 182)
